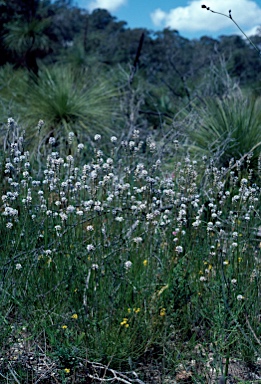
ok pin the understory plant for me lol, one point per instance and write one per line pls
(228, 127)
(65, 99)
(116, 262)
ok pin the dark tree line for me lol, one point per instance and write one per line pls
(41, 31)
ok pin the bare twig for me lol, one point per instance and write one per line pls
(252, 331)
(116, 376)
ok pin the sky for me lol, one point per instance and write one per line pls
(187, 17)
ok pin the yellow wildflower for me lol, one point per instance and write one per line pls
(145, 263)
(67, 370)
(64, 326)
(136, 310)
(163, 312)
(75, 316)
(124, 321)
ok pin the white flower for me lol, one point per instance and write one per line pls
(70, 159)
(113, 139)
(240, 297)
(70, 137)
(18, 267)
(95, 267)
(202, 278)
(70, 209)
(93, 175)
(137, 240)
(90, 247)
(97, 137)
(40, 124)
(127, 265)
(89, 228)
(152, 146)
(52, 140)
(9, 225)
(63, 216)
(80, 146)
(179, 249)
(10, 211)
(234, 281)
(210, 226)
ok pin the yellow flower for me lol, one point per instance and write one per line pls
(145, 263)
(64, 326)
(75, 316)
(67, 370)
(240, 259)
(163, 312)
(226, 262)
(129, 310)
(124, 321)
(136, 310)
(127, 325)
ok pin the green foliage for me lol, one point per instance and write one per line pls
(22, 36)
(66, 99)
(123, 264)
(229, 128)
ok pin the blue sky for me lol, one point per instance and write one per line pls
(186, 16)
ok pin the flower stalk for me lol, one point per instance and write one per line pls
(229, 16)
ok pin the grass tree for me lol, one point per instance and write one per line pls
(27, 39)
(229, 128)
(70, 100)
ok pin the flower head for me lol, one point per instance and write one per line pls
(127, 265)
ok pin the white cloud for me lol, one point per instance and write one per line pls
(158, 16)
(253, 31)
(193, 18)
(110, 5)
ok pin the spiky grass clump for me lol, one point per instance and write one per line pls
(71, 100)
(228, 128)
(81, 101)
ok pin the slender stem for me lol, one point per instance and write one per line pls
(231, 18)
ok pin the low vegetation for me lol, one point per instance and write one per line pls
(117, 261)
